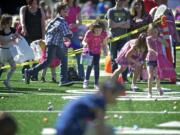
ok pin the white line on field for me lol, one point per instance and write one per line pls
(110, 112)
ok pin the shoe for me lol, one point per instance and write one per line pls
(43, 79)
(54, 80)
(134, 87)
(96, 87)
(68, 83)
(6, 84)
(85, 84)
(149, 95)
(27, 76)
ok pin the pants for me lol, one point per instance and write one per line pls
(95, 63)
(76, 44)
(53, 51)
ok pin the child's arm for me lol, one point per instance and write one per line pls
(22, 19)
(129, 55)
(104, 46)
(148, 41)
(7, 41)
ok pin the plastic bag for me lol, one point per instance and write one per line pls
(86, 59)
(37, 49)
(21, 51)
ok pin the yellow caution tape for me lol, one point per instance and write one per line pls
(177, 22)
(177, 47)
(20, 65)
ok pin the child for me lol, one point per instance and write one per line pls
(57, 31)
(90, 109)
(7, 39)
(154, 49)
(132, 54)
(8, 125)
(55, 62)
(95, 39)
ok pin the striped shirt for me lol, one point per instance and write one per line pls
(56, 30)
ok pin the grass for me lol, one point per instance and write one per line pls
(37, 95)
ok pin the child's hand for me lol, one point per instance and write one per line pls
(67, 42)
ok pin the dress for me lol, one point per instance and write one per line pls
(121, 58)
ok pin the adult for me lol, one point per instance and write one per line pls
(171, 29)
(139, 15)
(119, 20)
(149, 4)
(74, 21)
(32, 20)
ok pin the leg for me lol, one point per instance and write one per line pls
(96, 69)
(43, 75)
(150, 70)
(80, 66)
(53, 73)
(120, 44)
(113, 52)
(158, 84)
(87, 74)
(51, 51)
(117, 72)
(135, 76)
(9, 75)
(76, 44)
(61, 53)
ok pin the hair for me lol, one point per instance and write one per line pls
(8, 125)
(141, 41)
(74, 2)
(5, 19)
(97, 24)
(59, 6)
(151, 27)
(29, 2)
(111, 85)
(133, 11)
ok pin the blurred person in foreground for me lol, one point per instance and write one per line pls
(85, 116)
(8, 125)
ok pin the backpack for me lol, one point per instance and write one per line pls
(72, 74)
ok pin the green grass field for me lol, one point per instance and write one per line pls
(29, 103)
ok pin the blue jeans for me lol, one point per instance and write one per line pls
(95, 63)
(76, 44)
(53, 51)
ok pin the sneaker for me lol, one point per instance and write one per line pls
(134, 87)
(149, 95)
(27, 76)
(43, 79)
(85, 84)
(68, 83)
(6, 84)
(96, 87)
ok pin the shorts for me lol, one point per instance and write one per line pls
(151, 63)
